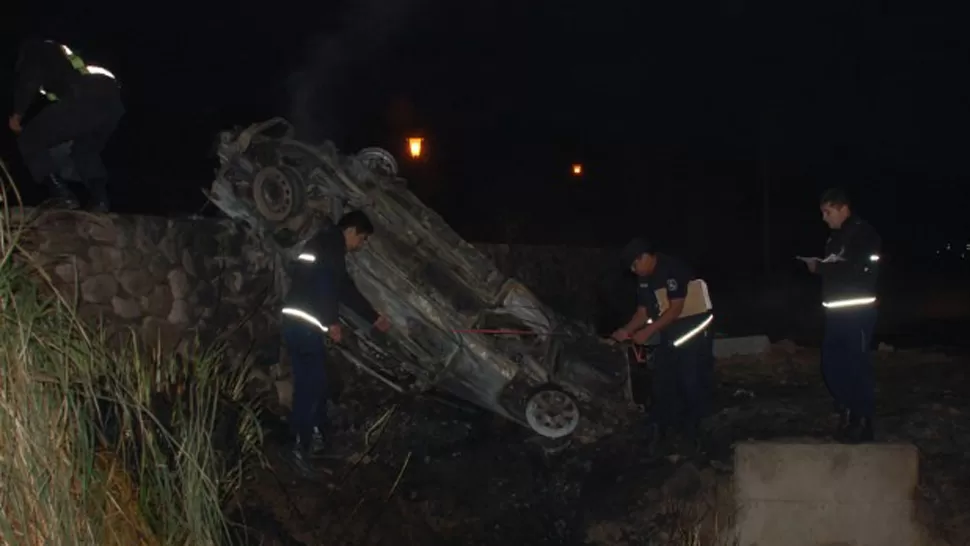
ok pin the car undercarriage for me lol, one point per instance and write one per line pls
(459, 326)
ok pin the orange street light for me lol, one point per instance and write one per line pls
(577, 169)
(414, 146)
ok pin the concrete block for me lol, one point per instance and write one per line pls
(726, 347)
(826, 494)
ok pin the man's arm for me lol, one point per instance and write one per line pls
(672, 314)
(328, 270)
(676, 297)
(329, 294)
(646, 301)
(638, 320)
(29, 79)
(352, 297)
(332, 255)
(861, 251)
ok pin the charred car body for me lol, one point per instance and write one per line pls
(459, 325)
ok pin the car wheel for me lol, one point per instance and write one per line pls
(552, 413)
(278, 195)
(378, 160)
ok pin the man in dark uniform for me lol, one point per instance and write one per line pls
(849, 272)
(683, 360)
(85, 110)
(319, 283)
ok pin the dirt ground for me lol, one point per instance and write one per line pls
(431, 474)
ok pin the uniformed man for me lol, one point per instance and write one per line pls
(85, 110)
(683, 360)
(319, 283)
(849, 272)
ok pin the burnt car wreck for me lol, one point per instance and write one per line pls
(460, 326)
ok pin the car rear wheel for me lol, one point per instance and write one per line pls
(552, 413)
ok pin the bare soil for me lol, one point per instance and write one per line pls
(431, 474)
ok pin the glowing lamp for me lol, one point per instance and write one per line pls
(414, 146)
(577, 169)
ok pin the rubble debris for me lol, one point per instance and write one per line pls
(469, 474)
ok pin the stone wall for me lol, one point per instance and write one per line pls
(168, 280)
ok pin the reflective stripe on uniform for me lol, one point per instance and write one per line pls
(696, 330)
(850, 302)
(307, 257)
(97, 70)
(78, 63)
(303, 315)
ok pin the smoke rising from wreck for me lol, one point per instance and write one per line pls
(318, 93)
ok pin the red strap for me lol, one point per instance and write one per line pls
(639, 353)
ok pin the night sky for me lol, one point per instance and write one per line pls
(681, 112)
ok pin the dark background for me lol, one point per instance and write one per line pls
(683, 114)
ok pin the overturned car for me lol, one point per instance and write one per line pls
(460, 326)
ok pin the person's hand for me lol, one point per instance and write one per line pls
(14, 123)
(644, 335)
(382, 324)
(336, 332)
(621, 335)
(810, 263)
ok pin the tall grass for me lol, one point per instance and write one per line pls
(104, 445)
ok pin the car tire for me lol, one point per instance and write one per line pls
(279, 194)
(552, 412)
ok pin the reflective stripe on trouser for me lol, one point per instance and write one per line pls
(305, 317)
(846, 362)
(308, 359)
(695, 331)
(844, 303)
(682, 381)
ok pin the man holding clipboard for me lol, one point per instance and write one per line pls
(849, 274)
(684, 359)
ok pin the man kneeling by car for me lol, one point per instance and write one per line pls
(319, 283)
(683, 376)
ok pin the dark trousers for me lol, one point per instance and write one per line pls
(846, 364)
(683, 382)
(309, 359)
(87, 118)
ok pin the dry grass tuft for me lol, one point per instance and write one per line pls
(103, 447)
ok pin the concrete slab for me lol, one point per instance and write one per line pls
(826, 494)
(726, 347)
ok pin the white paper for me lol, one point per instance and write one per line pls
(832, 258)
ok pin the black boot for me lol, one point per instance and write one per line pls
(298, 457)
(845, 422)
(860, 431)
(99, 195)
(693, 440)
(61, 195)
(658, 441)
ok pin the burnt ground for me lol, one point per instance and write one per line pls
(433, 474)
